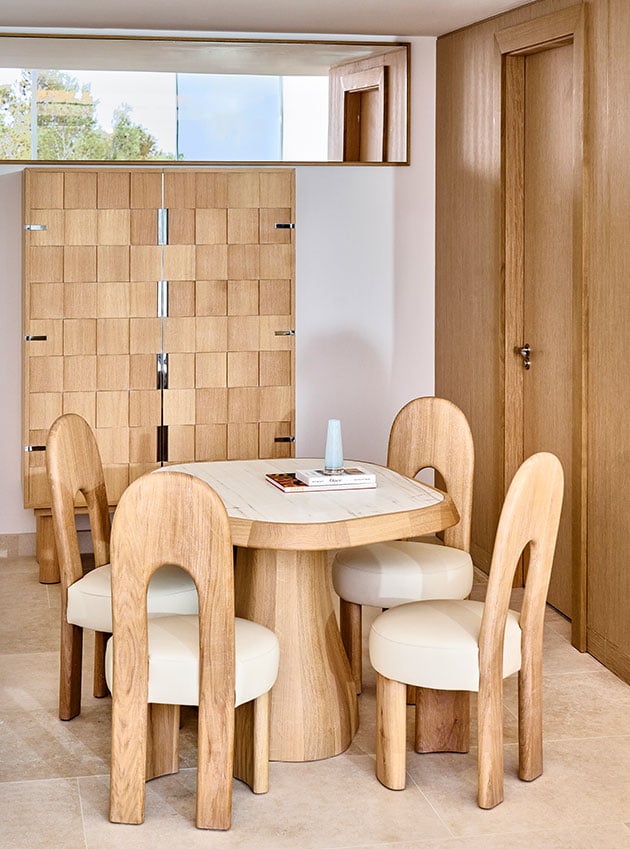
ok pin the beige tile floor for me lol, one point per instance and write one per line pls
(54, 775)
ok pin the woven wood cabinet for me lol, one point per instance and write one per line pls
(159, 305)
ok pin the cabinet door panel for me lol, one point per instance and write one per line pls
(242, 443)
(113, 226)
(113, 189)
(79, 189)
(80, 227)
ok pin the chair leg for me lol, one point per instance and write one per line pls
(70, 667)
(100, 688)
(128, 762)
(162, 740)
(251, 743)
(442, 720)
(350, 618)
(530, 739)
(391, 733)
(215, 765)
(490, 744)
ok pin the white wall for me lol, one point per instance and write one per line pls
(13, 518)
(364, 302)
(365, 286)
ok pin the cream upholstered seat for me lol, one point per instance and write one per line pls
(448, 648)
(213, 660)
(440, 647)
(386, 574)
(427, 433)
(173, 652)
(74, 467)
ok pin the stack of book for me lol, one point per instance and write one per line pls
(316, 480)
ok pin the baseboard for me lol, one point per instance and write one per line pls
(481, 558)
(17, 545)
(613, 658)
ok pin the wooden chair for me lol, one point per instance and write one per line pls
(74, 466)
(448, 648)
(211, 659)
(426, 433)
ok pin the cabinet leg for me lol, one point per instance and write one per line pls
(45, 551)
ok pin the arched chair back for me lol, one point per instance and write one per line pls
(75, 474)
(434, 433)
(529, 520)
(427, 433)
(177, 519)
(448, 648)
(74, 469)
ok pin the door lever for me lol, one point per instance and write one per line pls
(525, 352)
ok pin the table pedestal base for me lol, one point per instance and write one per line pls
(314, 711)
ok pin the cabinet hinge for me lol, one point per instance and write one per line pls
(162, 370)
(162, 444)
(162, 226)
(162, 299)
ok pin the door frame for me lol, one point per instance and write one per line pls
(515, 43)
(356, 117)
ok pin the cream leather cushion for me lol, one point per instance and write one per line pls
(174, 660)
(171, 590)
(391, 573)
(434, 644)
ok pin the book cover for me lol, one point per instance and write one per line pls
(348, 477)
(289, 482)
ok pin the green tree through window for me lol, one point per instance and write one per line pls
(67, 128)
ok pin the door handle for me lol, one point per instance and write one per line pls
(525, 353)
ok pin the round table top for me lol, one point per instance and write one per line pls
(263, 516)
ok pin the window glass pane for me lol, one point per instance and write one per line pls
(229, 117)
(305, 119)
(129, 116)
(151, 97)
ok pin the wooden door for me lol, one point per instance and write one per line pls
(365, 98)
(548, 283)
(545, 288)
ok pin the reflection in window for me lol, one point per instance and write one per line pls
(134, 116)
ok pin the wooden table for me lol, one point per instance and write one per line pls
(281, 581)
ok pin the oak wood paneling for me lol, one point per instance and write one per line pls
(608, 625)
(470, 311)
